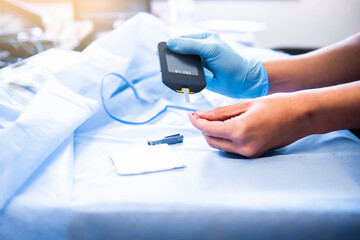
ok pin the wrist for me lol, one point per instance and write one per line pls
(308, 105)
(329, 109)
(298, 112)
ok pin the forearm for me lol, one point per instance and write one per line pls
(328, 66)
(239, 128)
(330, 109)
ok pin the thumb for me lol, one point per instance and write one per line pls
(209, 77)
(226, 112)
(185, 46)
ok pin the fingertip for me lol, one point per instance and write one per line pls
(208, 73)
(184, 46)
(171, 43)
(200, 113)
(193, 118)
(209, 77)
(207, 115)
(191, 114)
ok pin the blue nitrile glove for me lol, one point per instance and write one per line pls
(226, 71)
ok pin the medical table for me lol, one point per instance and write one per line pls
(57, 180)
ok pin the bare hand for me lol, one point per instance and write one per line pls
(252, 127)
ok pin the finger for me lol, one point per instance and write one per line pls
(185, 46)
(220, 144)
(226, 112)
(209, 77)
(210, 128)
(197, 35)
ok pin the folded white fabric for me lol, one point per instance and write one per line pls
(145, 160)
(31, 131)
(49, 119)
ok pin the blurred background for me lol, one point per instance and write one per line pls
(31, 26)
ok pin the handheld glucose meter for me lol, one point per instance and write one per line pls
(181, 73)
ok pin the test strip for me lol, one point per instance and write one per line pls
(186, 93)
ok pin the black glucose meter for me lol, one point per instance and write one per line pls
(180, 72)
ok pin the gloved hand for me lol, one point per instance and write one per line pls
(226, 71)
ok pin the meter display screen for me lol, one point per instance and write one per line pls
(181, 64)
